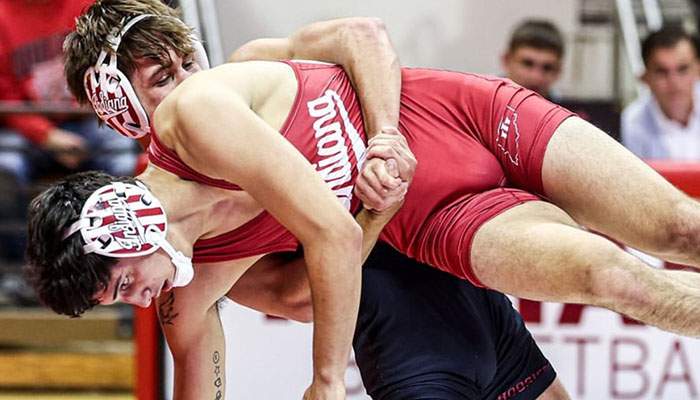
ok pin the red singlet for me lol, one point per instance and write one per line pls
(476, 138)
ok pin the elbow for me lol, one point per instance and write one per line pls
(369, 26)
(295, 300)
(365, 30)
(341, 235)
(370, 33)
(302, 312)
(244, 53)
(297, 306)
(350, 233)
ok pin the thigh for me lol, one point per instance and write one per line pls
(605, 187)
(446, 238)
(536, 251)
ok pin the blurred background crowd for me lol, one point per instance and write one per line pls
(629, 66)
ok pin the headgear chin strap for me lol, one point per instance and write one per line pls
(110, 92)
(124, 220)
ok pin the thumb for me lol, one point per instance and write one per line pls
(392, 168)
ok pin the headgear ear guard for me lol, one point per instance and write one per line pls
(124, 220)
(110, 91)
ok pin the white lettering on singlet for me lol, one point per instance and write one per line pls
(334, 163)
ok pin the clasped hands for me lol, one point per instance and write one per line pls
(388, 171)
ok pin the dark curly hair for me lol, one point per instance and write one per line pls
(65, 278)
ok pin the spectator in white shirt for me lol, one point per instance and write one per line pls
(665, 124)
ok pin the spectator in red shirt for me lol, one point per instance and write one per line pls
(31, 69)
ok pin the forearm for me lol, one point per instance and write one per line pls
(278, 284)
(335, 277)
(372, 224)
(363, 48)
(200, 362)
(375, 72)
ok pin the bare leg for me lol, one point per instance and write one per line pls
(555, 391)
(536, 251)
(605, 187)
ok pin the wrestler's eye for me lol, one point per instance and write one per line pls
(125, 284)
(163, 81)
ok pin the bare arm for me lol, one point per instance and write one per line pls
(240, 147)
(278, 283)
(190, 321)
(363, 48)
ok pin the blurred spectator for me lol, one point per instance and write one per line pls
(665, 124)
(31, 69)
(534, 56)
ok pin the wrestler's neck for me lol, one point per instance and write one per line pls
(186, 204)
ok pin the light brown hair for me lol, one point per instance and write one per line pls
(151, 37)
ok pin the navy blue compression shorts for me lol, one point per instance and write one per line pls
(425, 334)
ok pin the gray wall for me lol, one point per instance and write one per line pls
(468, 35)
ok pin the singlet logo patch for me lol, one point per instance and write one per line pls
(508, 129)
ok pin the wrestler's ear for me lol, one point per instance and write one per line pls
(505, 57)
(644, 76)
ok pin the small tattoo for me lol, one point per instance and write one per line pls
(166, 311)
(217, 371)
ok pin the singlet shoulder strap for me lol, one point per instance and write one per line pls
(167, 159)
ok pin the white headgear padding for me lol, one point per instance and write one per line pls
(124, 220)
(110, 92)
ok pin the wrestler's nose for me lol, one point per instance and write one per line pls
(141, 298)
(183, 74)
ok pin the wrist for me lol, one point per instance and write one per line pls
(328, 381)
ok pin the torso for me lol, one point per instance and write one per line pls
(440, 110)
(272, 92)
(272, 101)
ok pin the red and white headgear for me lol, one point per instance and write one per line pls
(125, 220)
(110, 91)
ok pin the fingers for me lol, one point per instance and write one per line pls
(372, 201)
(380, 175)
(391, 144)
(375, 195)
(406, 162)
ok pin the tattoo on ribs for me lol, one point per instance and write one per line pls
(166, 311)
(217, 372)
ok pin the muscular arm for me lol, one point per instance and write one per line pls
(360, 45)
(190, 321)
(363, 48)
(240, 147)
(278, 284)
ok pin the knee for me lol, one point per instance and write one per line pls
(617, 282)
(681, 232)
